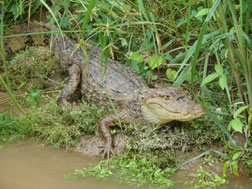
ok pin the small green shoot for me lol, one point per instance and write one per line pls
(236, 123)
(155, 61)
(204, 179)
(171, 74)
(232, 163)
(5, 120)
(35, 94)
(218, 74)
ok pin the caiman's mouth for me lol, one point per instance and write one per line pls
(160, 111)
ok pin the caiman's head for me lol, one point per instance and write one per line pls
(165, 105)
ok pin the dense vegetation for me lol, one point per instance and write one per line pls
(204, 46)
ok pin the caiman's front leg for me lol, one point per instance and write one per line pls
(104, 125)
(74, 80)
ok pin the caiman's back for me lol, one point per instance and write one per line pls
(120, 81)
(13, 44)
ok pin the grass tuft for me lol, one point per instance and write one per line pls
(59, 125)
(31, 68)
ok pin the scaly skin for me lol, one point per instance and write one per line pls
(134, 101)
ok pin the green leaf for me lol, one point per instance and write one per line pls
(239, 111)
(3, 114)
(135, 61)
(218, 178)
(35, 94)
(87, 15)
(235, 168)
(236, 155)
(14, 11)
(236, 125)
(146, 67)
(168, 56)
(123, 42)
(210, 78)
(154, 77)
(223, 82)
(224, 168)
(181, 78)
(5, 121)
(21, 85)
(168, 44)
(142, 9)
(137, 57)
(181, 22)
(218, 68)
(155, 61)
(65, 21)
(212, 10)
(52, 13)
(202, 12)
(218, 123)
(171, 74)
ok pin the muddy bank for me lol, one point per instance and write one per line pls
(91, 145)
(7, 104)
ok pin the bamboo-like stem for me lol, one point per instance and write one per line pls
(6, 86)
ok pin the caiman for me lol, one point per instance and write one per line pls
(132, 98)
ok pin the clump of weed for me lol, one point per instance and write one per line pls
(205, 178)
(7, 126)
(175, 137)
(129, 169)
(31, 68)
(59, 125)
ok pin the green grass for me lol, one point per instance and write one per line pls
(128, 169)
(32, 69)
(7, 83)
(203, 46)
(206, 179)
(58, 125)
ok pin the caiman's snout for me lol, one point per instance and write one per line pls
(198, 110)
(193, 109)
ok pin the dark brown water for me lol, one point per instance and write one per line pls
(33, 165)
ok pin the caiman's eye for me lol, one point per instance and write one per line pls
(181, 98)
(166, 97)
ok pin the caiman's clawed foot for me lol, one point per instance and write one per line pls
(107, 151)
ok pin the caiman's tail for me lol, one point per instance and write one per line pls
(13, 44)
